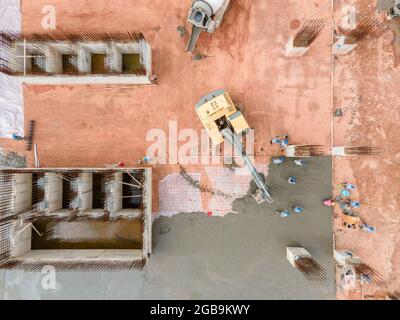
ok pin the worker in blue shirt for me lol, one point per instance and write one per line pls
(298, 209)
(279, 160)
(355, 204)
(292, 180)
(283, 213)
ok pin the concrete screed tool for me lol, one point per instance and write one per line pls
(205, 15)
(223, 121)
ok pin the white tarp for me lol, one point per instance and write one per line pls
(177, 195)
(11, 96)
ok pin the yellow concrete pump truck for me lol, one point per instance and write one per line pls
(224, 121)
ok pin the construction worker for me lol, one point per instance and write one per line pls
(300, 162)
(298, 209)
(346, 207)
(355, 204)
(348, 186)
(145, 160)
(283, 213)
(329, 202)
(284, 141)
(292, 180)
(154, 78)
(17, 137)
(276, 140)
(345, 193)
(279, 160)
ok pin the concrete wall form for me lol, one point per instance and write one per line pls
(17, 229)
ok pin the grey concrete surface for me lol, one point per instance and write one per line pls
(240, 256)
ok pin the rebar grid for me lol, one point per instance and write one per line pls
(364, 270)
(9, 40)
(7, 177)
(54, 36)
(363, 151)
(368, 25)
(81, 265)
(6, 229)
(311, 269)
(38, 192)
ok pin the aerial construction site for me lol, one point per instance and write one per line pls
(200, 149)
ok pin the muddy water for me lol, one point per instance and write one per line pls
(130, 63)
(87, 235)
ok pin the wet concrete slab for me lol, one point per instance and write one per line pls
(74, 285)
(239, 256)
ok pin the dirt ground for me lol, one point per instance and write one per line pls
(98, 125)
(366, 86)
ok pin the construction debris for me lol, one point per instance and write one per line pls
(12, 160)
(297, 151)
(56, 203)
(349, 41)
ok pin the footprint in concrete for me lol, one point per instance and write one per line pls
(165, 228)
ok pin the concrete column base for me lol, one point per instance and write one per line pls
(341, 48)
(338, 151)
(293, 52)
